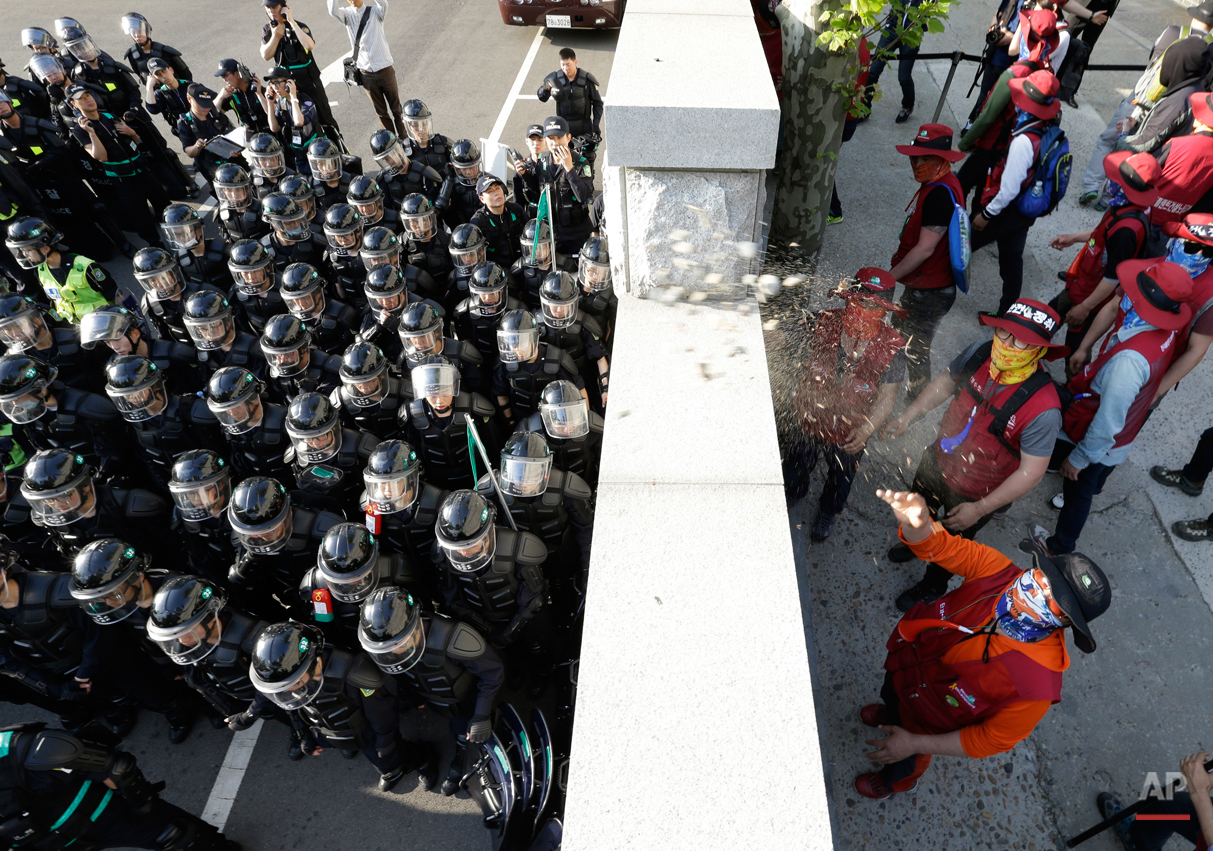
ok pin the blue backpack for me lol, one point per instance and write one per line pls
(1052, 176)
(959, 250)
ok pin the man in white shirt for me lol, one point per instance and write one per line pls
(373, 58)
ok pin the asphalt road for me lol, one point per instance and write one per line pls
(467, 66)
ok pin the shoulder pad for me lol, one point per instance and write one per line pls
(168, 51)
(366, 445)
(141, 504)
(336, 398)
(180, 351)
(288, 457)
(530, 549)
(365, 674)
(590, 78)
(465, 643)
(416, 412)
(576, 487)
(59, 749)
(96, 407)
(310, 581)
(532, 423)
(324, 521)
(481, 406)
(200, 414)
(332, 363)
(59, 595)
(273, 423)
(471, 354)
(567, 364)
(596, 423)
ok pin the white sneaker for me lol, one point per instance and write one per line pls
(1058, 501)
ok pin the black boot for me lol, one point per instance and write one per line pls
(295, 750)
(455, 773)
(180, 721)
(427, 772)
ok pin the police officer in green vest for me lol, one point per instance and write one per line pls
(74, 284)
(58, 790)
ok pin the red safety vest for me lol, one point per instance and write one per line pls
(830, 409)
(998, 134)
(937, 697)
(994, 178)
(936, 272)
(1187, 174)
(988, 454)
(1089, 267)
(1157, 346)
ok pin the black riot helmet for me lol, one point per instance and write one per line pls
(209, 320)
(287, 218)
(233, 186)
(436, 380)
(233, 395)
(558, 297)
(22, 325)
(260, 514)
(324, 159)
(286, 664)
(465, 158)
(419, 216)
(134, 24)
(385, 289)
(420, 328)
(31, 240)
(58, 486)
(302, 290)
(564, 411)
(157, 271)
(526, 464)
(315, 431)
(298, 187)
(23, 387)
(468, 246)
(265, 156)
(107, 579)
(380, 247)
(181, 226)
(346, 559)
(517, 337)
(388, 152)
(594, 265)
(366, 197)
(418, 121)
(79, 43)
(286, 345)
(487, 286)
(465, 531)
(343, 228)
(201, 484)
(390, 629)
(136, 387)
(392, 476)
(105, 323)
(536, 243)
(364, 374)
(184, 619)
(251, 266)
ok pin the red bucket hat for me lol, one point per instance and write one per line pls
(933, 140)
(1040, 28)
(1159, 291)
(1195, 227)
(872, 286)
(1202, 107)
(1036, 94)
(1033, 322)
(1137, 174)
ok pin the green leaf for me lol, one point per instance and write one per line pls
(935, 25)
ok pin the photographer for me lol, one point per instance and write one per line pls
(1151, 834)
(294, 120)
(372, 58)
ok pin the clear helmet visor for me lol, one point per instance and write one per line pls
(352, 587)
(252, 281)
(27, 406)
(202, 500)
(525, 476)
(348, 241)
(24, 331)
(162, 284)
(489, 302)
(182, 236)
(305, 306)
(517, 346)
(63, 506)
(28, 256)
(422, 226)
(238, 417)
(324, 168)
(316, 447)
(292, 228)
(270, 165)
(289, 361)
(397, 655)
(115, 602)
(393, 160)
(593, 276)
(384, 257)
(371, 211)
(467, 258)
(47, 68)
(295, 692)
(267, 539)
(365, 391)
(139, 404)
(389, 494)
(211, 333)
(435, 379)
(191, 642)
(558, 314)
(83, 48)
(420, 130)
(101, 326)
(234, 195)
(468, 174)
(420, 342)
(542, 252)
(471, 556)
(569, 420)
(135, 26)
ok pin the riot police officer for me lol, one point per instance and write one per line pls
(201, 485)
(26, 98)
(536, 262)
(381, 247)
(211, 324)
(48, 414)
(165, 292)
(298, 187)
(343, 232)
(60, 780)
(330, 180)
(252, 267)
(144, 49)
(598, 297)
(500, 221)
(421, 335)
(254, 428)
(466, 163)
(476, 317)
(65, 500)
(268, 162)
(239, 212)
(323, 454)
(400, 508)
(296, 366)
(426, 245)
(578, 102)
(164, 424)
(468, 248)
(201, 260)
(570, 176)
(424, 144)
(344, 700)
(118, 328)
(291, 238)
(437, 427)
(527, 365)
(95, 66)
(445, 662)
(332, 323)
(573, 431)
(349, 566)
(579, 336)
(368, 199)
(370, 398)
(386, 295)
(24, 328)
(400, 177)
(71, 284)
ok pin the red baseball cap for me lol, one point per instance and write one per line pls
(933, 140)
(1033, 322)
(1036, 94)
(1159, 290)
(873, 285)
(1137, 174)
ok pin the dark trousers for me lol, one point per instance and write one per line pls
(1078, 496)
(308, 81)
(1010, 230)
(902, 775)
(1153, 835)
(841, 467)
(136, 202)
(973, 171)
(385, 97)
(848, 130)
(905, 68)
(1082, 31)
(1201, 464)
(928, 481)
(925, 309)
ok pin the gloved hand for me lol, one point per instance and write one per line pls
(241, 721)
(70, 690)
(307, 743)
(236, 573)
(498, 639)
(480, 729)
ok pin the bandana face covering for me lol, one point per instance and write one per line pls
(931, 169)
(1026, 611)
(862, 323)
(1116, 196)
(1009, 365)
(1132, 320)
(1194, 264)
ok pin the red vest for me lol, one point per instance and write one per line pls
(985, 460)
(1089, 266)
(994, 178)
(998, 134)
(936, 272)
(937, 697)
(1187, 174)
(829, 409)
(1157, 346)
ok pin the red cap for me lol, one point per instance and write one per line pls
(1036, 94)
(1202, 107)
(1195, 227)
(1033, 322)
(1137, 174)
(1159, 290)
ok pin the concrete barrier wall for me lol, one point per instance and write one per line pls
(695, 724)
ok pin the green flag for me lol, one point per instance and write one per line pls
(543, 211)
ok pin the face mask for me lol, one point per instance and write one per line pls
(860, 323)
(1194, 264)
(1026, 611)
(1116, 196)
(931, 169)
(1009, 365)
(1132, 320)
(1023, 119)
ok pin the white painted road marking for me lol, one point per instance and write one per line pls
(231, 775)
(508, 106)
